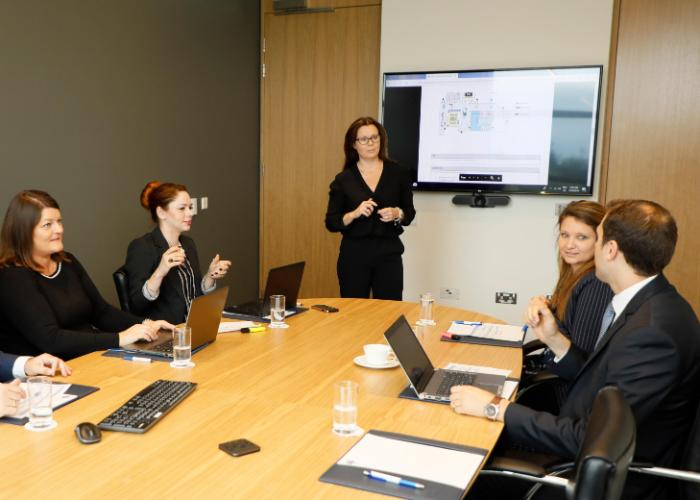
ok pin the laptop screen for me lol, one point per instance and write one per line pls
(285, 280)
(410, 353)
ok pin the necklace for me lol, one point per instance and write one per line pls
(56, 273)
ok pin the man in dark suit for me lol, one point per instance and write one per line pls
(650, 351)
(20, 367)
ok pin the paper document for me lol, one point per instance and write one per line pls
(58, 398)
(509, 386)
(490, 331)
(404, 458)
(235, 326)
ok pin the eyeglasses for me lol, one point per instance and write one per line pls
(366, 140)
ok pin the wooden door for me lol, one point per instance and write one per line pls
(654, 135)
(321, 72)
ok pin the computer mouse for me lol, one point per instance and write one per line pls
(88, 433)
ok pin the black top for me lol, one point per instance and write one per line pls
(349, 189)
(177, 288)
(63, 315)
(584, 314)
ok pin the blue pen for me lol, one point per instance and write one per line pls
(388, 478)
(469, 323)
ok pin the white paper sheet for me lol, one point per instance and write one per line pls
(403, 458)
(235, 326)
(492, 331)
(58, 397)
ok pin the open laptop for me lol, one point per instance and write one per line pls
(285, 280)
(204, 318)
(426, 381)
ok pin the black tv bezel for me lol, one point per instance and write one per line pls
(505, 188)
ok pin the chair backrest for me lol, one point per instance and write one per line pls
(607, 449)
(691, 459)
(121, 282)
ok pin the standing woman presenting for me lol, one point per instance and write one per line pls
(163, 266)
(370, 201)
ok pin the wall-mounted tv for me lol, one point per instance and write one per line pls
(528, 130)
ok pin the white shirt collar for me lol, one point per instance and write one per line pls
(620, 301)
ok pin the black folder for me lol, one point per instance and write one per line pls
(75, 389)
(353, 477)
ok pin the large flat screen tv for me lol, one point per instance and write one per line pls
(488, 131)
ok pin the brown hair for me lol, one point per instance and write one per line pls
(159, 194)
(645, 232)
(591, 214)
(351, 156)
(17, 235)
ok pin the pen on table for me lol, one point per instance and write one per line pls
(253, 329)
(137, 359)
(388, 478)
(469, 323)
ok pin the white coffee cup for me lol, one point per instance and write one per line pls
(377, 354)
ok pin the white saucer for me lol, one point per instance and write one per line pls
(52, 425)
(188, 365)
(391, 363)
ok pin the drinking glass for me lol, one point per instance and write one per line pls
(426, 310)
(40, 408)
(277, 311)
(182, 347)
(345, 408)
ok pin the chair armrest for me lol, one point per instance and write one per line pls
(515, 465)
(533, 345)
(537, 381)
(681, 475)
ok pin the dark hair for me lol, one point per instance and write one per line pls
(351, 156)
(645, 232)
(17, 235)
(159, 194)
(591, 214)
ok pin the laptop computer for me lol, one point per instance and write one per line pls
(285, 280)
(204, 318)
(426, 381)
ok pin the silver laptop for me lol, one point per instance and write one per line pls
(204, 318)
(426, 381)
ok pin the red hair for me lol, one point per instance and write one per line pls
(159, 194)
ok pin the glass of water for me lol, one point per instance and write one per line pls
(40, 407)
(345, 408)
(277, 311)
(182, 348)
(426, 310)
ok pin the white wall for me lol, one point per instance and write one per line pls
(482, 251)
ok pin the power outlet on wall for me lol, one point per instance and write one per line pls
(449, 293)
(506, 298)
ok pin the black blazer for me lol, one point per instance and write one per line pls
(142, 258)
(652, 354)
(349, 189)
(7, 361)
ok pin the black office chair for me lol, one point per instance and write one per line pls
(689, 489)
(537, 384)
(602, 462)
(121, 282)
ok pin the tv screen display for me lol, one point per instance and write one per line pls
(510, 130)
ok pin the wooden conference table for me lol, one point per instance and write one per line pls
(273, 388)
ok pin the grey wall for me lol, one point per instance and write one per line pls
(99, 97)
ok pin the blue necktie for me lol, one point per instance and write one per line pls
(608, 317)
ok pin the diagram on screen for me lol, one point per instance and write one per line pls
(463, 112)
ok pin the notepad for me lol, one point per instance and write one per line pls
(235, 326)
(445, 469)
(59, 397)
(485, 333)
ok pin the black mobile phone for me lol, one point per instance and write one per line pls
(239, 447)
(324, 308)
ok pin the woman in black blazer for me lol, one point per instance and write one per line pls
(369, 203)
(162, 266)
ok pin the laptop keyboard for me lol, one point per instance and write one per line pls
(454, 378)
(166, 347)
(147, 407)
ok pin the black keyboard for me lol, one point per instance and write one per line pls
(147, 407)
(454, 378)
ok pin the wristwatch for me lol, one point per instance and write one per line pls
(492, 409)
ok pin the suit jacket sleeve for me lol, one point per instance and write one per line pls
(644, 367)
(141, 260)
(7, 361)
